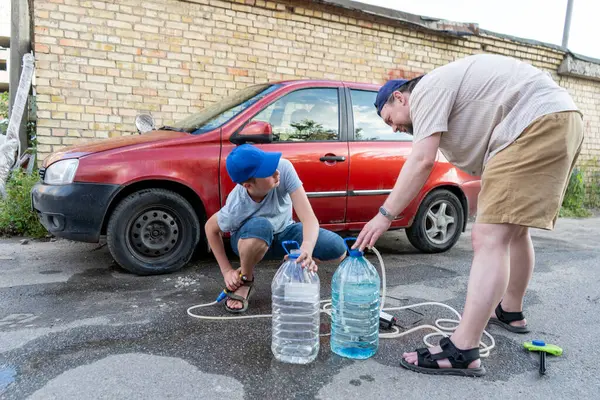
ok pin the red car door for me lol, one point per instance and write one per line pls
(377, 155)
(310, 132)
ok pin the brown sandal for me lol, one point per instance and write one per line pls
(243, 300)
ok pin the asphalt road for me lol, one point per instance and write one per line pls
(75, 326)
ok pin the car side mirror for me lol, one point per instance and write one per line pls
(144, 123)
(254, 132)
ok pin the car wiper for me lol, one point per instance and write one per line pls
(171, 128)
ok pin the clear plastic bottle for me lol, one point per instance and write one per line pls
(296, 312)
(355, 307)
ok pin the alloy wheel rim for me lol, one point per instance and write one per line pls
(440, 222)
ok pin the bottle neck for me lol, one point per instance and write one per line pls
(356, 253)
(294, 254)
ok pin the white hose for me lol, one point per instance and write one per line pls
(438, 329)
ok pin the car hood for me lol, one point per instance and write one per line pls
(110, 144)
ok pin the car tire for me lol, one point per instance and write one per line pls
(427, 232)
(153, 231)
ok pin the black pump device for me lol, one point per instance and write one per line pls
(386, 321)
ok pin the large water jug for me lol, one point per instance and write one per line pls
(355, 307)
(296, 313)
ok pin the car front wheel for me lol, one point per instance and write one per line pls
(438, 223)
(153, 231)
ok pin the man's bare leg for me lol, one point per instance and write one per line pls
(522, 261)
(488, 281)
(251, 251)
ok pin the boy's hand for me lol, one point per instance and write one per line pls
(306, 260)
(233, 280)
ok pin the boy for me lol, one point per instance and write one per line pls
(258, 214)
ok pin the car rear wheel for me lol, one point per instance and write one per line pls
(153, 231)
(438, 223)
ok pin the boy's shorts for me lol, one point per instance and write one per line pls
(525, 183)
(330, 246)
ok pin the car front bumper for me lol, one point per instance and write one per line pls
(75, 211)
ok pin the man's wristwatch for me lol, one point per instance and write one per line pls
(386, 213)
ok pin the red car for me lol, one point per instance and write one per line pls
(151, 193)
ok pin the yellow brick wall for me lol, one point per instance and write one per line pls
(100, 63)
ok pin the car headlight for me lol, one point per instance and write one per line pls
(61, 172)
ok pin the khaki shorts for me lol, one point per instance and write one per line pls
(525, 183)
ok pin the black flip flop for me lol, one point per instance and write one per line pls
(503, 319)
(459, 359)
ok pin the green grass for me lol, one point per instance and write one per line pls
(583, 192)
(16, 215)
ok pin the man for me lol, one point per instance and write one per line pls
(258, 214)
(509, 122)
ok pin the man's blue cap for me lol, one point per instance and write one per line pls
(247, 161)
(386, 91)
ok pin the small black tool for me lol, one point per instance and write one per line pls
(542, 362)
(543, 348)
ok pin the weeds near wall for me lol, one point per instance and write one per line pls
(592, 176)
(16, 215)
(583, 192)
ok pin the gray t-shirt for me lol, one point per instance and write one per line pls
(482, 103)
(275, 207)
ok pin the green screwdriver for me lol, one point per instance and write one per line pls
(543, 348)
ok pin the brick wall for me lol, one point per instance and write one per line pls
(100, 63)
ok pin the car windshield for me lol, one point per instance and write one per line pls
(215, 115)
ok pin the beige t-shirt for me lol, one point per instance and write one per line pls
(481, 104)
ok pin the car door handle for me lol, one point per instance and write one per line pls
(332, 158)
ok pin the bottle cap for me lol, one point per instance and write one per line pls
(294, 254)
(356, 253)
(352, 252)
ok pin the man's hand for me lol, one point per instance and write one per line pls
(233, 280)
(371, 232)
(413, 175)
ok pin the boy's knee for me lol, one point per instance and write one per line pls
(254, 237)
(340, 258)
(340, 249)
(259, 226)
(331, 247)
(251, 248)
(252, 245)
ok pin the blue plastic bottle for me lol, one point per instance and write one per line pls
(355, 307)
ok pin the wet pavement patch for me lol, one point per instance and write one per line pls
(7, 376)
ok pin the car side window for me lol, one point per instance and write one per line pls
(368, 126)
(304, 115)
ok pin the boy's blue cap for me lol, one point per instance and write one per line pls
(386, 91)
(247, 161)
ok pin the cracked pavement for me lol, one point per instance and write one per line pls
(75, 326)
